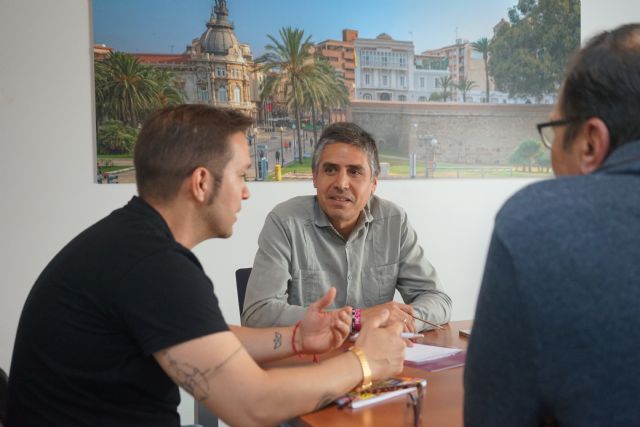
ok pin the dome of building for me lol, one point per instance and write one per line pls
(219, 36)
(384, 36)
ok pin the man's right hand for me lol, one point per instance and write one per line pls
(382, 345)
(398, 312)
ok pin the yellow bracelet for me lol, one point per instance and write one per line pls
(366, 369)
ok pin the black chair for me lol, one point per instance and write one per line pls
(4, 384)
(203, 417)
(242, 277)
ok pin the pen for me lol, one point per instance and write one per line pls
(405, 335)
(409, 335)
(427, 322)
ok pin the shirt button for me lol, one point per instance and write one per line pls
(349, 277)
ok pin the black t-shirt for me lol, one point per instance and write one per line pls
(120, 291)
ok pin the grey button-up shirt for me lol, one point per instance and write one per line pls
(301, 255)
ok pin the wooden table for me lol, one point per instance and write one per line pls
(442, 402)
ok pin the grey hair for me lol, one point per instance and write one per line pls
(347, 133)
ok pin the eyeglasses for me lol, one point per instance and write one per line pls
(547, 133)
(413, 410)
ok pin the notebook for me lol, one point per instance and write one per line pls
(380, 391)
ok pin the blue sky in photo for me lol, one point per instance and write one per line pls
(168, 26)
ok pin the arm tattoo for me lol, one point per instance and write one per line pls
(277, 340)
(191, 378)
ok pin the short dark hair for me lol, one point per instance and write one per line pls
(176, 140)
(603, 80)
(347, 133)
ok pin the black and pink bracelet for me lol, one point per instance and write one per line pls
(356, 320)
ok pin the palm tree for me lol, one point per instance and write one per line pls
(482, 46)
(323, 88)
(168, 91)
(465, 85)
(286, 62)
(125, 89)
(446, 83)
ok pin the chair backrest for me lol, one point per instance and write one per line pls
(4, 384)
(203, 417)
(242, 277)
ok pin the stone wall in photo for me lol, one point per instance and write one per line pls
(476, 134)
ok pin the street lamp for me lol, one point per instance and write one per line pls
(433, 143)
(429, 142)
(253, 134)
(281, 129)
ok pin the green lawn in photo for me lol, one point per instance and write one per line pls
(294, 168)
(399, 168)
(108, 169)
(115, 156)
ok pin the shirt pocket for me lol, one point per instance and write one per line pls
(379, 284)
(308, 286)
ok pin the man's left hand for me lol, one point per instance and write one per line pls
(322, 331)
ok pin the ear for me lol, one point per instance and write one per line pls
(314, 176)
(201, 184)
(594, 145)
(374, 185)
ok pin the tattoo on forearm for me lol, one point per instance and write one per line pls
(191, 378)
(325, 400)
(277, 340)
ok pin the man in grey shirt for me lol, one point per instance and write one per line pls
(345, 237)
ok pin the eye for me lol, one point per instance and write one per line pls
(355, 171)
(329, 169)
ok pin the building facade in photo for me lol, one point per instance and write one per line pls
(387, 71)
(341, 56)
(215, 68)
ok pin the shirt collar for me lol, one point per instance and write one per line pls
(139, 205)
(322, 220)
(624, 158)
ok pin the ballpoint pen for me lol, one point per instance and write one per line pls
(427, 322)
(409, 335)
(405, 335)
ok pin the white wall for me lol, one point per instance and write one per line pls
(46, 173)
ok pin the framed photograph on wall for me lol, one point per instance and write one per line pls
(448, 90)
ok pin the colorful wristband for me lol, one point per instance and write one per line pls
(356, 320)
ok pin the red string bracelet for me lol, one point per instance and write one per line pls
(293, 340)
(293, 343)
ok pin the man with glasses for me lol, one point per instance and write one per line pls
(555, 333)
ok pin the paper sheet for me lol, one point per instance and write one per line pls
(420, 353)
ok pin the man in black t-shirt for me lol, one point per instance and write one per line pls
(124, 313)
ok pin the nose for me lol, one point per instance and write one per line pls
(245, 192)
(342, 180)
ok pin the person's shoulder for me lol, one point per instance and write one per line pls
(538, 202)
(383, 208)
(296, 207)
